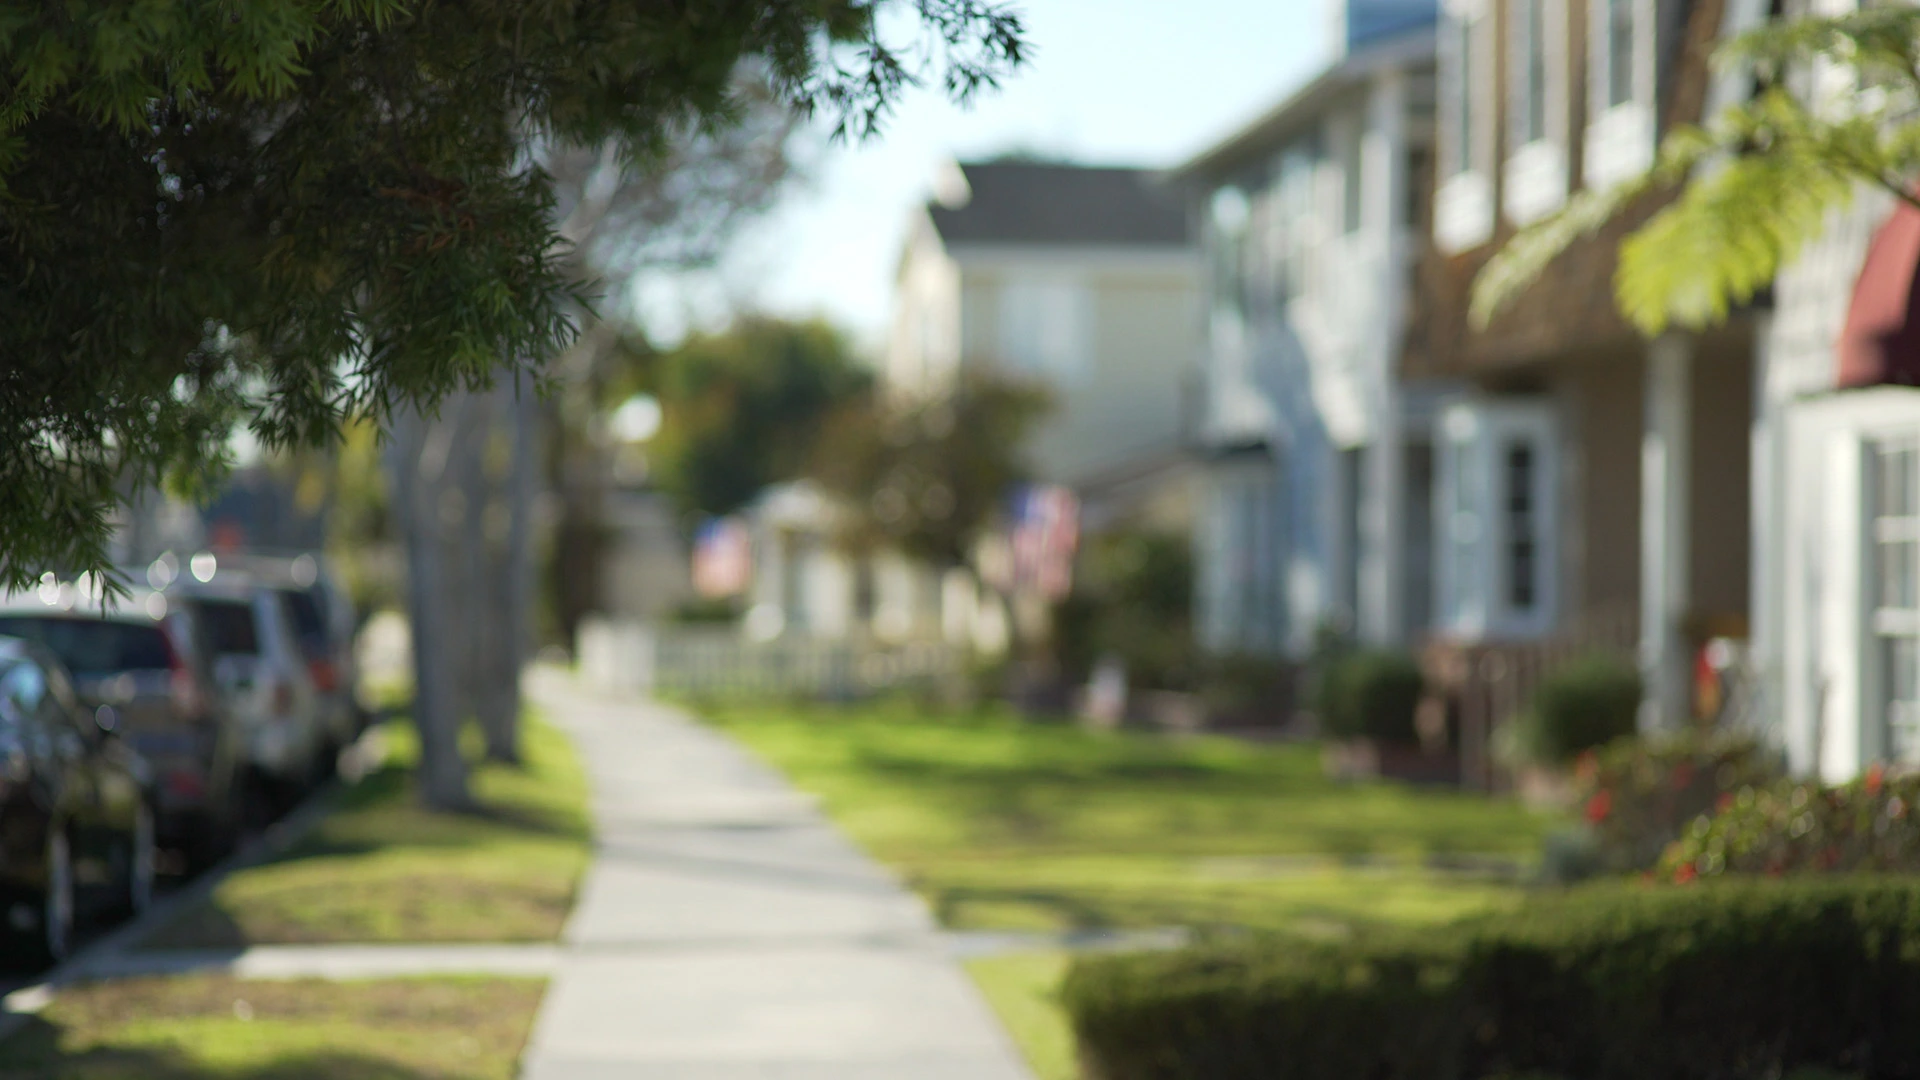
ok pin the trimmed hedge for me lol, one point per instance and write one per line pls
(1733, 981)
(1638, 795)
(1373, 693)
(1585, 705)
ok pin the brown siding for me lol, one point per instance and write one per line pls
(1720, 498)
(1604, 403)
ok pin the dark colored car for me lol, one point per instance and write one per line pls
(146, 660)
(76, 812)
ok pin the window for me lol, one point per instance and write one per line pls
(1353, 176)
(1528, 108)
(1894, 516)
(1227, 216)
(230, 627)
(1520, 541)
(1494, 538)
(1458, 90)
(1616, 41)
(1045, 326)
(94, 646)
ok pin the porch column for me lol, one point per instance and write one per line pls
(1665, 533)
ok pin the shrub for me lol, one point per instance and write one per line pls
(1586, 704)
(1373, 693)
(1791, 828)
(1734, 981)
(1639, 794)
(1248, 688)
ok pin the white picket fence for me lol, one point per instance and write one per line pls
(722, 662)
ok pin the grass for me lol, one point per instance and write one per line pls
(204, 1027)
(381, 868)
(1023, 989)
(1004, 824)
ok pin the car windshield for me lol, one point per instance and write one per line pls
(230, 627)
(94, 646)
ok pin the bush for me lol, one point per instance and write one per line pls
(1371, 693)
(1587, 704)
(1638, 795)
(1729, 982)
(1247, 689)
(1792, 828)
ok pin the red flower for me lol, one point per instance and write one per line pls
(1724, 802)
(1684, 874)
(1682, 775)
(1599, 806)
(1876, 775)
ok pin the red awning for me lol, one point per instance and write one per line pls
(1880, 344)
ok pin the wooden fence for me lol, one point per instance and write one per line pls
(722, 662)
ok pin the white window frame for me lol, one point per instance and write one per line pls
(1887, 625)
(1474, 539)
(1535, 172)
(1620, 136)
(1463, 210)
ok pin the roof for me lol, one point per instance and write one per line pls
(1880, 342)
(1047, 204)
(1300, 109)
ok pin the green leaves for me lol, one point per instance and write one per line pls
(1755, 185)
(295, 212)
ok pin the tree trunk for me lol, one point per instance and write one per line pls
(419, 459)
(508, 569)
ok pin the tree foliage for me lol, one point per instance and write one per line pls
(300, 211)
(744, 408)
(927, 476)
(1757, 182)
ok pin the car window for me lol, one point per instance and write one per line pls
(93, 646)
(230, 627)
(309, 620)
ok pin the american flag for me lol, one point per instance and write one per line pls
(722, 557)
(1046, 532)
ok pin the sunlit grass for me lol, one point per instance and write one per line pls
(205, 1027)
(1006, 824)
(1023, 990)
(382, 868)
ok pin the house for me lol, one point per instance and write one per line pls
(1836, 649)
(1318, 454)
(1592, 487)
(1083, 281)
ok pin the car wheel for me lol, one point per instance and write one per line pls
(56, 903)
(142, 861)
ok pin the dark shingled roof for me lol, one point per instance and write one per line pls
(1021, 202)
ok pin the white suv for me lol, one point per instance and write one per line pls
(259, 664)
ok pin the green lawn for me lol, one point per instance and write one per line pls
(200, 1027)
(379, 868)
(1006, 824)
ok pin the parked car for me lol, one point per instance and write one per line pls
(323, 620)
(146, 660)
(259, 666)
(77, 820)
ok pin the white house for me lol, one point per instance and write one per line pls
(1319, 461)
(1837, 491)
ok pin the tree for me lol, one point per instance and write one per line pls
(1756, 183)
(744, 408)
(294, 212)
(929, 476)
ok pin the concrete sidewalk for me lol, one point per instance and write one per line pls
(727, 932)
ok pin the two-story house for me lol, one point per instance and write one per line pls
(1593, 487)
(1836, 647)
(1318, 454)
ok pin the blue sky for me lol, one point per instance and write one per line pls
(1141, 82)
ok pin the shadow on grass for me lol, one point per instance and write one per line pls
(34, 1053)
